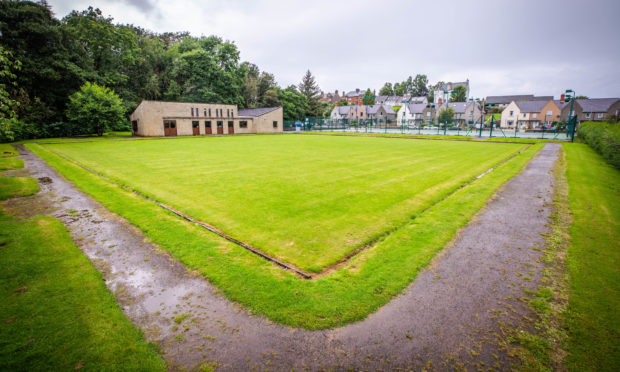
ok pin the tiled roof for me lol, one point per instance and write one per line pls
(256, 111)
(416, 108)
(508, 99)
(531, 106)
(596, 104)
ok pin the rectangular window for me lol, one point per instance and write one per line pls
(243, 124)
(275, 124)
(549, 113)
(207, 124)
(194, 124)
(587, 114)
(209, 112)
(534, 116)
(600, 115)
(230, 124)
(192, 111)
(512, 113)
(220, 124)
(205, 112)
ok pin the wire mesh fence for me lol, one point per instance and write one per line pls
(486, 127)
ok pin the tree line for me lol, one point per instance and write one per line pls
(45, 61)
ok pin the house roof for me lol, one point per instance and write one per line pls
(531, 106)
(381, 99)
(372, 109)
(254, 112)
(458, 107)
(508, 99)
(355, 93)
(596, 104)
(388, 109)
(416, 108)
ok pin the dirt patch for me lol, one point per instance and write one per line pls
(452, 316)
(45, 180)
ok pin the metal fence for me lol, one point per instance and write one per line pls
(488, 128)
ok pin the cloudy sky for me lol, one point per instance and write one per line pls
(502, 46)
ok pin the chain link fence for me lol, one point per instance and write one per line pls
(488, 127)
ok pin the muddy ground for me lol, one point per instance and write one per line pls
(453, 315)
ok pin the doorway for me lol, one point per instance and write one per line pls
(170, 128)
(231, 128)
(208, 127)
(195, 128)
(220, 127)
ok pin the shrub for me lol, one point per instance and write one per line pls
(95, 109)
(604, 138)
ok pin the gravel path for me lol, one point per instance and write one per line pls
(452, 315)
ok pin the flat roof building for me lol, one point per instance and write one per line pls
(159, 118)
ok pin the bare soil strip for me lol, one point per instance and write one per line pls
(453, 315)
(287, 266)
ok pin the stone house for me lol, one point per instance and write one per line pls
(440, 97)
(159, 118)
(597, 109)
(465, 113)
(378, 113)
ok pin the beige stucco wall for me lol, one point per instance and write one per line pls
(507, 117)
(264, 123)
(150, 116)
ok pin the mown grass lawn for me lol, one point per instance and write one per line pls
(349, 293)
(307, 200)
(593, 262)
(56, 313)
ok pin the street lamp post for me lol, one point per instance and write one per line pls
(445, 124)
(570, 95)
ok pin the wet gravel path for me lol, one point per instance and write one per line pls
(452, 315)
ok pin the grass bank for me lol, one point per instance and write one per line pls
(593, 262)
(348, 294)
(56, 311)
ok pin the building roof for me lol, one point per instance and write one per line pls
(372, 109)
(458, 107)
(560, 103)
(388, 109)
(416, 108)
(381, 99)
(519, 97)
(355, 93)
(531, 106)
(596, 104)
(254, 112)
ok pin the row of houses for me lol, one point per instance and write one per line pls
(409, 113)
(356, 97)
(532, 113)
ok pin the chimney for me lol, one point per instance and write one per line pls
(357, 90)
(439, 101)
(336, 92)
(562, 97)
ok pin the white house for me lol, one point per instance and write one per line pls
(411, 113)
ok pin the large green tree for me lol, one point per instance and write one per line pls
(53, 63)
(310, 89)
(386, 90)
(420, 86)
(460, 95)
(95, 109)
(294, 104)
(369, 98)
(446, 115)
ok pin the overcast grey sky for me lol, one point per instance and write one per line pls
(504, 47)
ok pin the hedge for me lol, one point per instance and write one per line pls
(604, 138)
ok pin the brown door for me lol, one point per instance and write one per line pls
(195, 128)
(208, 127)
(170, 128)
(231, 127)
(220, 127)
